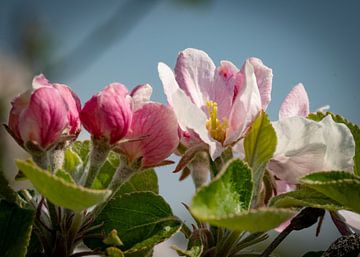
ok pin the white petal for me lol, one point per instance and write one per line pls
(141, 95)
(340, 145)
(300, 148)
(351, 218)
(168, 80)
(191, 117)
(306, 146)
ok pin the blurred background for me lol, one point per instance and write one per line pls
(89, 44)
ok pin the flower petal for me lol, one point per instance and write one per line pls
(296, 103)
(195, 75)
(141, 95)
(73, 104)
(306, 146)
(45, 118)
(300, 148)
(351, 218)
(246, 106)
(264, 77)
(157, 124)
(224, 88)
(169, 83)
(40, 81)
(340, 145)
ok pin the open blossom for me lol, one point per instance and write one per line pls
(107, 115)
(215, 105)
(306, 146)
(43, 115)
(153, 133)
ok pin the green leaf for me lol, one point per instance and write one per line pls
(82, 149)
(71, 161)
(259, 220)
(305, 197)
(141, 181)
(225, 202)
(59, 191)
(343, 187)
(15, 229)
(259, 144)
(194, 250)
(7, 192)
(65, 176)
(140, 253)
(107, 171)
(228, 194)
(355, 130)
(142, 219)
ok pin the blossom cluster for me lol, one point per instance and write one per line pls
(50, 114)
(211, 113)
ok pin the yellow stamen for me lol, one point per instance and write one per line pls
(216, 128)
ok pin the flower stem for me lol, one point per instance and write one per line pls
(57, 156)
(99, 153)
(228, 244)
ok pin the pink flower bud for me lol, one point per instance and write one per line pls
(108, 114)
(153, 135)
(71, 101)
(38, 117)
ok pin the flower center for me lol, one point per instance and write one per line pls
(216, 128)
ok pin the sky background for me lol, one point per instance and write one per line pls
(89, 44)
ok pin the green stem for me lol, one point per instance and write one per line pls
(122, 174)
(228, 244)
(57, 157)
(99, 153)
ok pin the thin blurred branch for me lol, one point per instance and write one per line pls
(112, 30)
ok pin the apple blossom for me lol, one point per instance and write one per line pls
(41, 116)
(306, 146)
(215, 105)
(107, 115)
(153, 133)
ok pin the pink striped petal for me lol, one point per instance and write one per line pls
(156, 124)
(195, 75)
(264, 77)
(296, 103)
(73, 105)
(44, 120)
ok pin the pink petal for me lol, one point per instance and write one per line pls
(246, 106)
(158, 124)
(296, 103)
(45, 118)
(195, 75)
(141, 95)
(40, 81)
(224, 88)
(108, 114)
(73, 105)
(19, 105)
(264, 77)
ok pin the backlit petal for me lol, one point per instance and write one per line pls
(296, 103)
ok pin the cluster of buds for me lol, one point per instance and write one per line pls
(50, 115)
